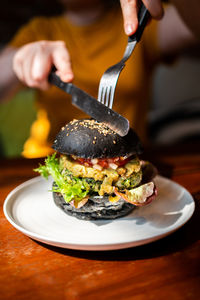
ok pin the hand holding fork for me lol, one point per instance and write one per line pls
(110, 77)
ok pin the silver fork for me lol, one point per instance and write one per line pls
(110, 77)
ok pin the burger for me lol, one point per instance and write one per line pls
(97, 174)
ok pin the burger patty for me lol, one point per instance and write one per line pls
(106, 178)
(103, 187)
(79, 170)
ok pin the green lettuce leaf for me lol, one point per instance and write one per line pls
(72, 188)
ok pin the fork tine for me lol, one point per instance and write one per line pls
(108, 88)
(100, 93)
(112, 92)
(103, 94)
(110, 77)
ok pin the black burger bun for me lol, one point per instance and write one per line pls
(95, 209)
(88, 138)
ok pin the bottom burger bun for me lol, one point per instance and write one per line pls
(97, 173)
(96, 208)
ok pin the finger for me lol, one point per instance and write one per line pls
(41, 67)
(129, 11)
(62, 62)
(27, 68)
(17, 66)
(155, 8)
(42, 63)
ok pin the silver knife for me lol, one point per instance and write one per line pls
(91, 106)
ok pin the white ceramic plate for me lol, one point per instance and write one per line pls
(31, 209)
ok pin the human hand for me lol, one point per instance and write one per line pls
(33, 62)
(129, 11)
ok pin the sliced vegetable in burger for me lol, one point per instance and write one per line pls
(97, 173)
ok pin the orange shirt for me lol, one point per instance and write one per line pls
(93, 48)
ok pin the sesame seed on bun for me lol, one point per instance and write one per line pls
(88, 138)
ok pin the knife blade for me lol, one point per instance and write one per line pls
(91, 106)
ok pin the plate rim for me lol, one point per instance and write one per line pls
(85, 246)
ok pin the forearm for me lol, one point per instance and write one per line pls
(8, 80)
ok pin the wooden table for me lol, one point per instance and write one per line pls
(166, 269)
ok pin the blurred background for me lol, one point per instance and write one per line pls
(175, 107)
(175, 97)
(17, 115)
